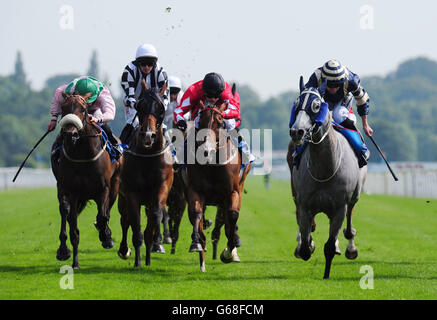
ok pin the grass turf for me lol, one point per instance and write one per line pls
(396, 236)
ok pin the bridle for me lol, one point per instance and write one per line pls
(86, 121)
(159, 122)
(309, 134)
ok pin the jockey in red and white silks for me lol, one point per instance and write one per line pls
(213, 91)
(195, 93)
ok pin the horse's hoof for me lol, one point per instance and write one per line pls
(195, 247)
(228, 256)
(207, 224)
(126, 255)
(108, 244)
(202, 267)
(76, 265)
(158, 248)
(167, 240)
(351, 255)
(63, 254)
(296, 253)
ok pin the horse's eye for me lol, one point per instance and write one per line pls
(315, 105)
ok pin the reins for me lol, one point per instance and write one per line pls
(338, 165)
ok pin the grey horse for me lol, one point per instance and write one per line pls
(327, 179)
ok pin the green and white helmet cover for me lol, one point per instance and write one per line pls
(85, 85)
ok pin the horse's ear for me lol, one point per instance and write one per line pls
(144, 85)
(301, 84)
(234, 88)
(164, 88)
(322, 87)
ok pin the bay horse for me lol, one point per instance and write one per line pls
(146, 175)
(328, 179)
(215, 182)
(83, 172)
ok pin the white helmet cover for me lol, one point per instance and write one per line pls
(174, 82)
(146, 50)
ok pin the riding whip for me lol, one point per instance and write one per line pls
(36, 145)
(386, 162)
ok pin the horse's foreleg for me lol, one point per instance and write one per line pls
(331, 246)
(175, 212)
(195, 213)
(349, 233)
(305, 244)
(165, 220)
(74, 232)
(155, 215)
(134, 216)
(102, 219)
(231, 218)
(63, 252)
(215, 235)
(123, 252)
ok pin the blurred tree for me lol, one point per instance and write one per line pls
(19, 76)
(93, 69)
(56, 81)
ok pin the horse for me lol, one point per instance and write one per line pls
(146, 176)
(328, 179)
(83, 172)
(176, 203)
(213, 182)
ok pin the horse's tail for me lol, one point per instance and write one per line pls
(81, 205)
(234, 89)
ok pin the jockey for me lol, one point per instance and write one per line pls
(212, 90)
(145, 66)
(101, 106)
(342, 86)
(176, 94)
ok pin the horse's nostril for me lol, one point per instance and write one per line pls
(300, 132)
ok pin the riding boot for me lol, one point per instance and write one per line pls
(246, 155)
(113, 140)
(358, 145)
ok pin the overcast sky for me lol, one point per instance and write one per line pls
(265, 44)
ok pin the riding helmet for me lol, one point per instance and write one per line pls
(213, 84)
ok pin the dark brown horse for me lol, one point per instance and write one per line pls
(146, 176)
(215, 180)
(83, 172)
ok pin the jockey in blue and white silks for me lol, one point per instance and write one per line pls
(342, 86)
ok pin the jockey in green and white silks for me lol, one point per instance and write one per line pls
(101, 106)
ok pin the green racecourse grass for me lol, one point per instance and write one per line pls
(396, 236)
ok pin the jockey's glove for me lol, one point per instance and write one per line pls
(181, 125)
